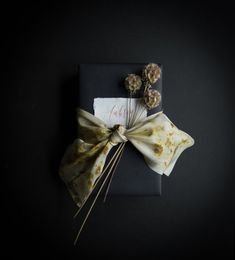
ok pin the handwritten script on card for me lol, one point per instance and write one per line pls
(118, 110)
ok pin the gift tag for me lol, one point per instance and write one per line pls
(122, 111)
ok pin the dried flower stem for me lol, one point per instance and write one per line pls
(138, 117)
(111, 177)
(129, 110)
(137, 108)
(105, 169)
(97, 195)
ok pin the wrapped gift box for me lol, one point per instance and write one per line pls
(133, 176)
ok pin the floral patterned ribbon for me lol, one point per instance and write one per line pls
(155, 136)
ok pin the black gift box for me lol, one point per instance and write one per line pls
(133, 176)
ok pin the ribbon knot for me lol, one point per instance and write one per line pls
(118, 135)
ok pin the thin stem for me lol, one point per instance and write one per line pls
(93, 203)
(131, 119)
(135, 112)
(105, 169)
(111, 177)
(129, 110)
(137, 118)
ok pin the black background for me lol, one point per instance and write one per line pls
(194, 215)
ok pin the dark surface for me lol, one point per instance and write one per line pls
(193, 217)
(107, 80)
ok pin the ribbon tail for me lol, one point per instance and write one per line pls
(81, 166)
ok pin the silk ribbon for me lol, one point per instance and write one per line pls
(155, 136)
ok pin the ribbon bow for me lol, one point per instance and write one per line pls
(155, 136)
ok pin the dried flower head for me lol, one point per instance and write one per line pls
(152, 98)
(133, 83)
(151, 73)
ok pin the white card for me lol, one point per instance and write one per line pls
(115, 110)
